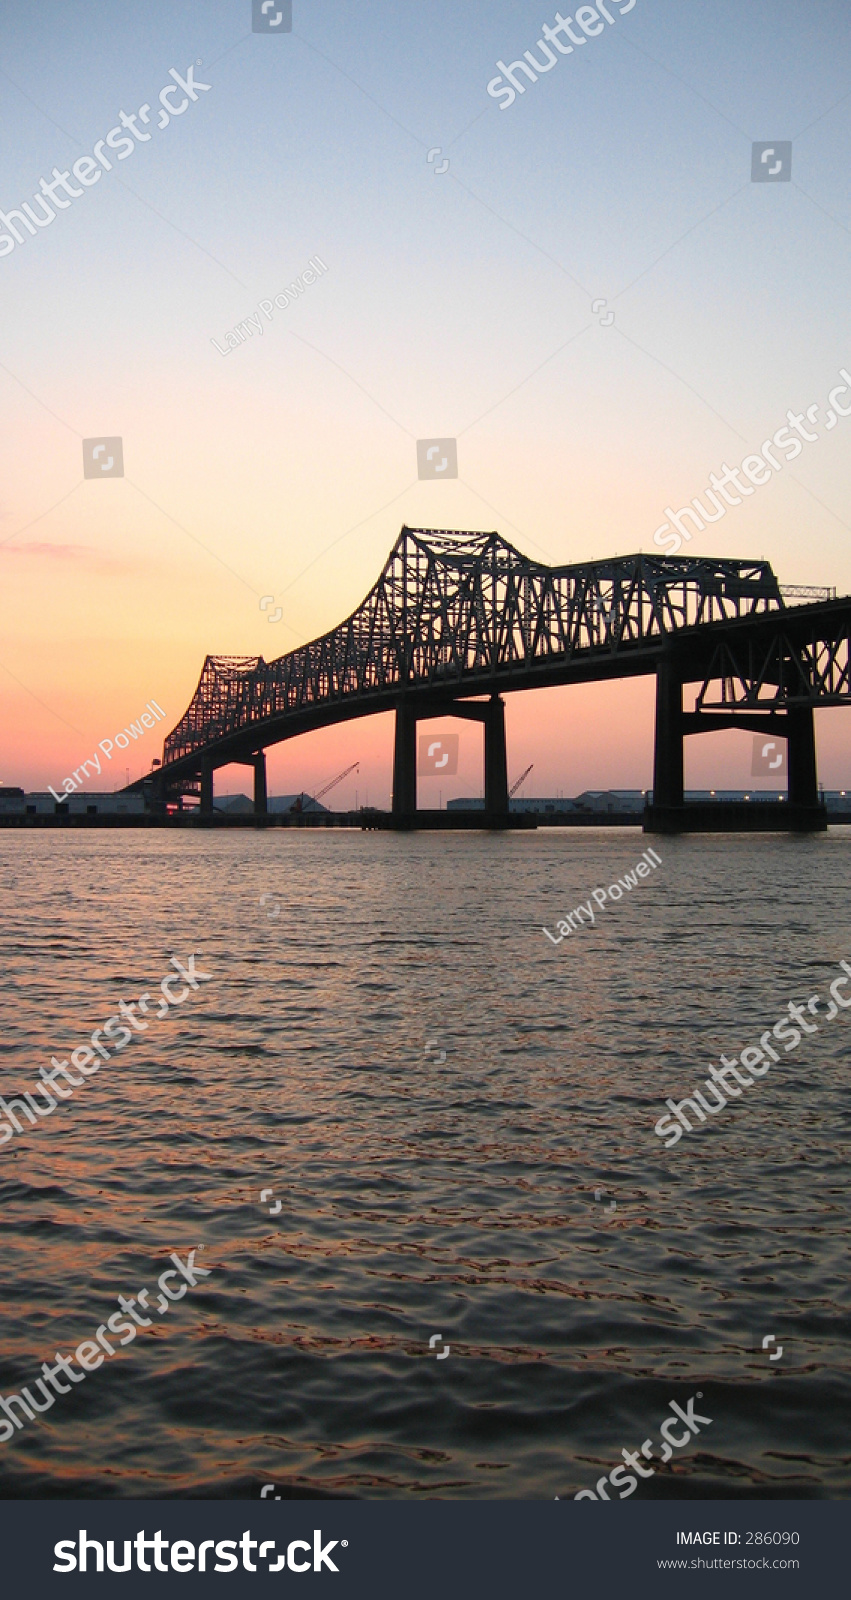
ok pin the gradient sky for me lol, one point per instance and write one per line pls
(454, 304)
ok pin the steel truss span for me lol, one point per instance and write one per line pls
(467, 613)
(458, 619)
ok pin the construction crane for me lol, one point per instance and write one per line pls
(298, 803)
(520, 780)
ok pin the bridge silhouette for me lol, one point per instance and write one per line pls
(457, 620)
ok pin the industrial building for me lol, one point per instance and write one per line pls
(240, 804)
(14, 802)
(618, 801)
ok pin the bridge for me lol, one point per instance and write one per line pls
(458, 620)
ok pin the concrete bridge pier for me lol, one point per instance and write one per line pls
(496, 759)
(803, 812)
(405, 764)
(156, 795)
(205, 808)
(803, 777)
(258, 761)
(491, 713)
(668, 760)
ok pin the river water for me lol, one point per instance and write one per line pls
(455, 1119)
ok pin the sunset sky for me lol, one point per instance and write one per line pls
(455, 304)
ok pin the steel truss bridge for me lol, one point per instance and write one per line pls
(457, 620)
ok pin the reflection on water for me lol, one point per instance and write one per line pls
(435, 1096)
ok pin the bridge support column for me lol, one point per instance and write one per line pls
(496, 758)
(803, 779)
(405, 763)
(668, 765)
(155, 799)
(206, 805)
(260, 798)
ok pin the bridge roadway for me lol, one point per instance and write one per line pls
(457, 620)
